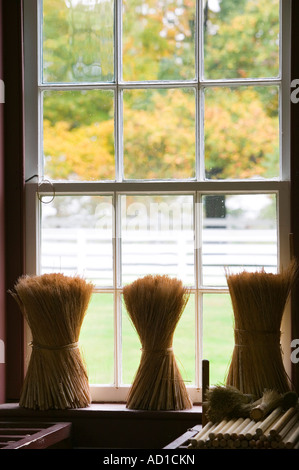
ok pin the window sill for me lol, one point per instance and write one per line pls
(112, 425)
(14, 410)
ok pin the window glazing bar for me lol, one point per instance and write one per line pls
(162, 84)
(93, 187)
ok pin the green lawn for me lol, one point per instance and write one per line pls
(97, 339)
(218, 334)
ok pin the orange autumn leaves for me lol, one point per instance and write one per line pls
(240, 139)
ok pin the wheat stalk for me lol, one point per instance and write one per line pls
(258, 301)
(155, 305)
(54, 307)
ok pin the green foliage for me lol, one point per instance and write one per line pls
(244, 44)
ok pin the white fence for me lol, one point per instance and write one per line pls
(89, 252)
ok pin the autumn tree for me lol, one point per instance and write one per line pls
(241, 123)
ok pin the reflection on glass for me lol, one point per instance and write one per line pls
(78, 135)
(218, 335)
(239, 233)
(159, 133)
(96, 339)
(76, 237)
(158, 39)
(241, 132)
(78, 41)
(241, 39)
(183, 345)
(157, 237)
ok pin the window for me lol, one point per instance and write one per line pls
(157, 141)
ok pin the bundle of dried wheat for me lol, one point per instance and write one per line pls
(155, 305)
(226, 402)
(54, 307)
(258, 301)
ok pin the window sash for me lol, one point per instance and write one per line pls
(281, 189)
(33, 57)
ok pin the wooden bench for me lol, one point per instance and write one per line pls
(34, 435)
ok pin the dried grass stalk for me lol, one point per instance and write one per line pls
(227, 403)
(252, 434)
(258, 301)
(54, 306)
(155, 305)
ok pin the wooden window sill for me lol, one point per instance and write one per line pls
(13, 409)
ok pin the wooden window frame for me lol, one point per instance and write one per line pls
(14, 246)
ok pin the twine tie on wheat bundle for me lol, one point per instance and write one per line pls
(261, 339)
(160, 352)
(54, 348)
(155, 305)
(54, 307)
(258, 301)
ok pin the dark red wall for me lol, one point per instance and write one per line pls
(2, 235)
(12, 207)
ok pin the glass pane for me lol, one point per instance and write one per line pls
(159, 39)
(241, 132)
(78, 135)
(77, 41)
(183, 345)
(76, 237)
(241, 39)
(159, 134)
(131, 348)
(239, 233)
(96, 339)
(218, 335)
(157, 237)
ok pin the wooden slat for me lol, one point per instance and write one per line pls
(23, 431)
(38, 436)
(182, 440)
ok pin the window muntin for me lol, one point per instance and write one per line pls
(194, 179)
